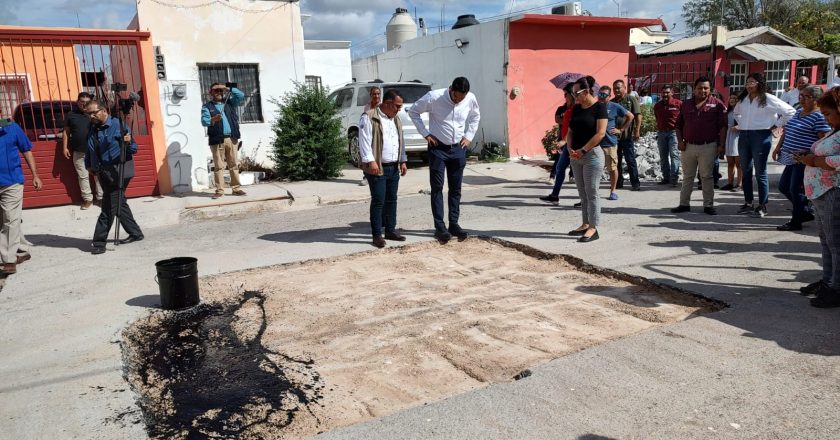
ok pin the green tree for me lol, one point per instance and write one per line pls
(308, 141)
(701, 15)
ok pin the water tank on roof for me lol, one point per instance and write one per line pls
(401, 28)
(464, 21)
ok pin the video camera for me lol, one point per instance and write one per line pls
(124, 105)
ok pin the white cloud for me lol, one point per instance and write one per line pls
(340, 26)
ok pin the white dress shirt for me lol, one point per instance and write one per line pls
(791, 97)
(448, 122)
(390, 139)
(752, 117)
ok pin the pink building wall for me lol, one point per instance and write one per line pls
(538, 53)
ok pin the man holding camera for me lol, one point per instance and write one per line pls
(104, 154)
(220, 117)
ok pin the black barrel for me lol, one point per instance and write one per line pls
(178, 282)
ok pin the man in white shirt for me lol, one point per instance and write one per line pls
(791, 97)
(382, 150)
(453, 122)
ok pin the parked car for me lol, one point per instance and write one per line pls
(351, 100)
(43, 120)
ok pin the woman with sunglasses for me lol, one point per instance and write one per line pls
(586, 129)
(805, 128)
(758, 114)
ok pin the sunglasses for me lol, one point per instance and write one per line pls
(578, 92)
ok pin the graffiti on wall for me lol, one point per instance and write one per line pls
(177, 139)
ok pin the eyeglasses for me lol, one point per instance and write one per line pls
(217, 90)
(801, 96)
(93, 112)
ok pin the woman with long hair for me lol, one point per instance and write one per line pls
(806, 127)
(586, 129)
(758, 115)
(733, 160)
(562, 162)
(822, 186)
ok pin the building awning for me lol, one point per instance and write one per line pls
(772, 52)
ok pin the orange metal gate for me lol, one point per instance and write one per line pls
(41, 74)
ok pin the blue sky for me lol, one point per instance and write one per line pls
(360, 21)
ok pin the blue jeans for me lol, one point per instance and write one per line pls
(383, 199)
(448, 159)
(560, 171)
(792, 185)
(627, 152)
(669, 156)
(754, 148)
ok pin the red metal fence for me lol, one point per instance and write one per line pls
(648, 77)
(41, 74)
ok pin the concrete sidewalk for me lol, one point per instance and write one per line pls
(153, 212)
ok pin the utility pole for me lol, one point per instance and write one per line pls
(618, 4)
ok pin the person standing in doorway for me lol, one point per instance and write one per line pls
(628, 137)
(382, 151)
(453, 122)
(701, 136)
(13, 144)
(103, 158)
(760, 115)
(667, 111)
(74, 144)
(220, 117)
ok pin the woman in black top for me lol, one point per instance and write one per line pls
(587, 128)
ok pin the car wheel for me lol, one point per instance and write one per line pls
(353, 148)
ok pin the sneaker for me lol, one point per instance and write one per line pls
(812, 289)
(550, 198)
(613, 196)
(759, 212)
(710, 210)
(681, 208)
(86, 204)
(746, 208)
(735, 188)
(238, 192)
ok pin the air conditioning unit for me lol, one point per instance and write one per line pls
(571, 8)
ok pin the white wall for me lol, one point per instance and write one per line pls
(330, 60)
(271, 38)
(436, 60)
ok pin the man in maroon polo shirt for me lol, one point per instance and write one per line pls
(701, 136)
(667, 110)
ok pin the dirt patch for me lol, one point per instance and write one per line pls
(302, 348)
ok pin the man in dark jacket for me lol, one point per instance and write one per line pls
(222, 121)
(103, 158)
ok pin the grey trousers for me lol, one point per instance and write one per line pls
(11, 206)
(587, 172)
(827, 212)
(703, 157)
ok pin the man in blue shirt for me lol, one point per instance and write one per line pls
(103, 158)
(610, 141)
(13, 143)
(222, 121)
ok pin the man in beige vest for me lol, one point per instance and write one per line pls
(382, 150)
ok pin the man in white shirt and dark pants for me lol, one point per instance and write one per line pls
(453, 122)
(382, 150)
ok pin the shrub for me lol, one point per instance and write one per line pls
(550, 138)
(648, 120)
(308, 140)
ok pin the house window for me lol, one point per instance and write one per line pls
(314, 81)
(14, 89)
(778, 76)
(738, 77)
(246, 77)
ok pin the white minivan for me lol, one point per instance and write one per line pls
(352, 98)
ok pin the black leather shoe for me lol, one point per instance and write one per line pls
(577, 232)
(812, 289)
(131, 239)
(378, 242)
(789, 226)
(550, 198)
(443, 236)
(98, 250)
(681, 208)
(458, 232)
(807, 217)
(394, 236)
(710, 210)
(585, 239)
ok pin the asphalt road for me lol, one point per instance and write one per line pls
(766, 367)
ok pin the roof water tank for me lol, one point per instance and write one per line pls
(401, 28)
(464, 21)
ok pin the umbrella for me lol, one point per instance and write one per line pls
(565, 78)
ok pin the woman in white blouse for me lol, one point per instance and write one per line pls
(758, 115)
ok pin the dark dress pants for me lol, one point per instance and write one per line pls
(383, 199)
(111, 198)
(448, 159)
